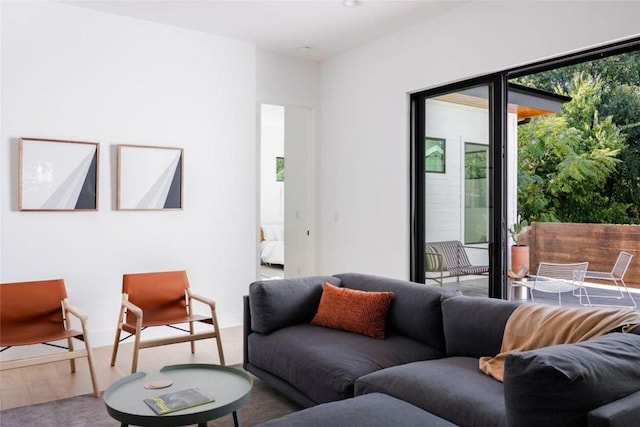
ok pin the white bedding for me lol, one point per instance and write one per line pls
(272, 247)
(272, 252)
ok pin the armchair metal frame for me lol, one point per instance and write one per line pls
(38, 312)
(559, 278)
(162, 299)
(452, 261)
(616, 276)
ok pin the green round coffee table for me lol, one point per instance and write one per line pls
(229, 387)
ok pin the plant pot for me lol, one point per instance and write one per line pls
(519, 258)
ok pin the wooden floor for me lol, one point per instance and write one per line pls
(53, 381)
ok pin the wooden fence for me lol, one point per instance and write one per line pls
(599, 244)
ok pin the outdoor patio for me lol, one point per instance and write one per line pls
(479, 288)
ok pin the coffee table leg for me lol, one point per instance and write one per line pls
(236, 419)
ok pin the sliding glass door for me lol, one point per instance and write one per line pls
(456, 173)
(464, 136)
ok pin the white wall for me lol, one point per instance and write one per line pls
(271, 146)
(282, 80)
(291, 82)
(71, 73)
(364, 151)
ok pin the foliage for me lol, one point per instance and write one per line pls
(518, 229)
(583, 164)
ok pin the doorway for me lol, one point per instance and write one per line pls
(455, 171)
(286, 134)
(457, 182)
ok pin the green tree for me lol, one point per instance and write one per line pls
(593, 173)
(566, 160)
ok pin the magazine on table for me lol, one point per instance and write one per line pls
(177, 400)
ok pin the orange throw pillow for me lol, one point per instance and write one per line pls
(352, 310)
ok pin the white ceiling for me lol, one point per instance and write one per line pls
(326, 26)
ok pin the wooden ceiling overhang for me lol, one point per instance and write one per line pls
(525, 101)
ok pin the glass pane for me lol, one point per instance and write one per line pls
(457, 196)
(476, 193)
(434, 155)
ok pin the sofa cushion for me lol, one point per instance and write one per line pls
(433, 260)
(415, 308)
(275, 304)
(371, 410)
(558, 385)
(352, 310)
(474, 327)
(452, 388)
(324, 363)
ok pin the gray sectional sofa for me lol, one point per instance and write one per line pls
(425, 372)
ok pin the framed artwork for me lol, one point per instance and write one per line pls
(279, 169)
(57, 175)
(435, 154)
(149, 178)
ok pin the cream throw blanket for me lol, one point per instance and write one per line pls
(533, 326)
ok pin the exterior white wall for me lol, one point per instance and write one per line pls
(71, 73)
(364, 151)
(456, 124)
(444, 192)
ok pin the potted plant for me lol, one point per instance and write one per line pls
(519, 251)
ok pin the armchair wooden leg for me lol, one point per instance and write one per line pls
(136, 345)
(116, 344)
(92, 372)
(136, 349)
(214, 320)
(116, 341)
(72, 362)
(193, 343)
(67, 320)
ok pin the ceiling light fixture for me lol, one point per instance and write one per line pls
(351, 3)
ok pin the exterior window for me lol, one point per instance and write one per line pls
(476, 193)
(280, 169)
(434, 155)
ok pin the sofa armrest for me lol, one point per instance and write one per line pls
(561, 384)
(275, 304)
(619, 413)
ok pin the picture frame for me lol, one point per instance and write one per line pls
(279, 169)
(149, 178)
(435, 155)
(58, 175)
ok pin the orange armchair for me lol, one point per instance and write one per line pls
(161, 299)
(38, 313)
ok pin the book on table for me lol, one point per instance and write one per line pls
(177, 400)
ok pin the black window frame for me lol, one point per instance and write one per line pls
(498, 98)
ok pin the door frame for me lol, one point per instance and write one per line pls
(497, 87)
(311, 185)
(498, 98)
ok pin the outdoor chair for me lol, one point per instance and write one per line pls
(559, 278)
(616, 276)
(449, 259)
(38, 313)
(162, 299)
